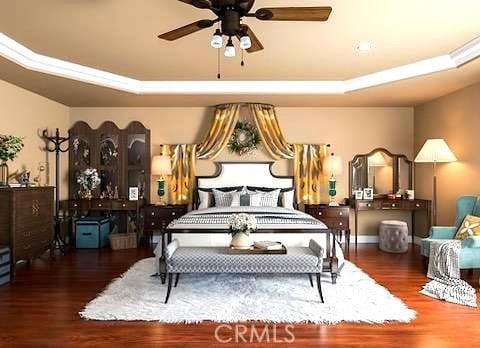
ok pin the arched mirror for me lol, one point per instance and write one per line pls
(381, 170)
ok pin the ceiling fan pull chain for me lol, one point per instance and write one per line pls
(219, 76)
(242, 63)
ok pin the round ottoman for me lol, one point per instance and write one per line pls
(393, 236)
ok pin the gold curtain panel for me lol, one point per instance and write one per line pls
(309, 178)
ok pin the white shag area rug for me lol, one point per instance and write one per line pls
(244, 297)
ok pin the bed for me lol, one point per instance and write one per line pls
(207, 226)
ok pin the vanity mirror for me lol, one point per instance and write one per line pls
(381, 170)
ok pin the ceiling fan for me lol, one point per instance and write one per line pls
(230, 13)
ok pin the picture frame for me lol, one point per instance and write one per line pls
(358, 194)
(368, 193)
(133, 193)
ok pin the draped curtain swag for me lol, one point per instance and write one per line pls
(308, 158)
(221, 129)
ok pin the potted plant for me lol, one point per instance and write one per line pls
(10, 146)
(241, 225)
(88, 181)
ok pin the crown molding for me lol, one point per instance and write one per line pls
(23, 56)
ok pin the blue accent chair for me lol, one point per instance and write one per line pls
(470, 252)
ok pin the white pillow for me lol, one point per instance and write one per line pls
(255, 199)
(235, 199)
(288, 199)
(205, 199)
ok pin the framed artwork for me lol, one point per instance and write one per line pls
(358, 194)
(133, 193)
(368, 193)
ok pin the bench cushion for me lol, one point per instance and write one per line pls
(220, 260)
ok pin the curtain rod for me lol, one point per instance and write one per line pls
(242, 104)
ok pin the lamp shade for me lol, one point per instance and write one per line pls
(377, 160)
(333, 165)
(435, 150)
(161, 165)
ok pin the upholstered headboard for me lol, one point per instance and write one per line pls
(229, 174)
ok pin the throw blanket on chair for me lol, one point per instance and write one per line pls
(444, 271)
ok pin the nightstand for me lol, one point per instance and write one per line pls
(336, 218)
(157, 217)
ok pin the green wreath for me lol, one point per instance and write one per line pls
(244, 139)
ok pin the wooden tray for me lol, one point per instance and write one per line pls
(253, 250)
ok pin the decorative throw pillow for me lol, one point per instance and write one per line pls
(235, 199)
(287, 198)
(205, 199)
(223, 199)
(269, 199)
(469, 227)
(255, 199)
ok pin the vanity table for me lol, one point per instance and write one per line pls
(387, 174)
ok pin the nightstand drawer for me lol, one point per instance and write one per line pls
(334, 223)
(158, 217)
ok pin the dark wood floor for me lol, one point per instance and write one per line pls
(40, 309)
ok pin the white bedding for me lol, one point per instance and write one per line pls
(267, 218)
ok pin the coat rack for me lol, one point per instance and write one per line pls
(57, 141)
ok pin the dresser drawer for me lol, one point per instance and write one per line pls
(392, 205)
(368, 205)
(123, 205)
(100, 204)
(416, 205)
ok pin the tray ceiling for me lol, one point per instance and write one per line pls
(115, 36)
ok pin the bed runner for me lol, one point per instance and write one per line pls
(444, 271)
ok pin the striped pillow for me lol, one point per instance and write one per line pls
(223, 199)
(269, 199)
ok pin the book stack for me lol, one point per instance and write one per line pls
(268, 245)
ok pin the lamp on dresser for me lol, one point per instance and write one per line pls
(332, 165)
(435, 151)
(161, 166)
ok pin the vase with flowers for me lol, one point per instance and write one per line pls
(10, 146)
(241, 225)
(88, 181)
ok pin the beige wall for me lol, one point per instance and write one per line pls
(26, 114)
(349, 130)
(455, 117)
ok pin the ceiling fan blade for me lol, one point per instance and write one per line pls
(256, 44)
(198, 3)
(293, 13)
(187, 29)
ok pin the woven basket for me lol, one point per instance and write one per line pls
(119, 241)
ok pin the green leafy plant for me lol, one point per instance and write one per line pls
(10, 146)
(244, 139)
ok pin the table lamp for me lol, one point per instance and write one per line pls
(332, 165)
(435, 151)
(376, 160)
(161, 166)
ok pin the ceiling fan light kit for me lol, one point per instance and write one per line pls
(230, 14)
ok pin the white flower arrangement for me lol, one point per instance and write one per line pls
(242, 223)
(88, 179)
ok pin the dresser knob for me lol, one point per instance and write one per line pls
(341, 223)
(75, 205)
(369, 205)
(340, 213)
(124, 205)
(153, 214)
(173, 213)
(153, 223)
(99, 205)
(393, 205)
(417, 205)
(320, 213)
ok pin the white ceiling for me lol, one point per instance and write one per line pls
(120, 36)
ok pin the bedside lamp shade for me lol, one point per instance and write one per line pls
(435, 150)
(332, 165)
(161, 165)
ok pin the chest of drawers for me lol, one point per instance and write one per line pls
(26, 221)
(157, 217)
(336, 218)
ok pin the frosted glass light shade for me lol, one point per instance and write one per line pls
(161, 165)
(245, 42)
(435, 150)
(333, 165)
(217, 40)
(229, 51)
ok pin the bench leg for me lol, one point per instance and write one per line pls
(169, 286)
(319, 286)
(176, 280)
(311, 280)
